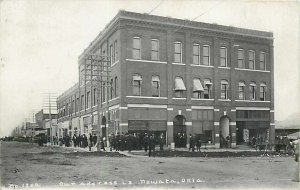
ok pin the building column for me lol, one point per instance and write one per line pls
(188, 132)
(217, 134)
(233, 134)
(170, 138)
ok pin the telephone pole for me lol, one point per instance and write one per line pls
(97, 69)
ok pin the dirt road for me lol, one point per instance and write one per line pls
(24, 164)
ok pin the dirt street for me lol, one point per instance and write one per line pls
(23, 164)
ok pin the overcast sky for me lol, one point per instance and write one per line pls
(40, 42)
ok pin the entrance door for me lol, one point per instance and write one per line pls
(179, 131)
(224, 131)
(103, 123)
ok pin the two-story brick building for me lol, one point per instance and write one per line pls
(176, 77)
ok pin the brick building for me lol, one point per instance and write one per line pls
(176, 77)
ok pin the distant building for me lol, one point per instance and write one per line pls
(176, 77)
(41, 118)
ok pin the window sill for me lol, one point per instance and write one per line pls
(254, 101)
(264, 71)
(209, 66)
(228, 68)
(150, 97)
(225, 100)
(179, 98)
(202, 99)
(146, 61)
(178, 64)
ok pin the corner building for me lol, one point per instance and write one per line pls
(177, 77)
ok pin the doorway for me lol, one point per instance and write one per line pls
(179, 131)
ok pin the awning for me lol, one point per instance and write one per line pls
(242, 84)
(179, 85)
(155, 78)
(224, 82)
(197, 85)
(263, 84)
(137, 77)
(252, 84)
(207, 82)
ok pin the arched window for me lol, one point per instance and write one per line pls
(252, 91)
(262, 91)
(137, 85)
(224, 89)
(155, 86)
(242, 90)
(179, 87)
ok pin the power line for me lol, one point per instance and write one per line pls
(218, 3)
(156, 6)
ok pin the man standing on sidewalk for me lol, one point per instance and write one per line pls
(151, 146)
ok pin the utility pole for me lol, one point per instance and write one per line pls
(101, 66)
(50, 103)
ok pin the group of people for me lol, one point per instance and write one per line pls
(136, 141)
(195, 142)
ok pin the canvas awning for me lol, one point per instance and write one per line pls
(197, 85)
(179, 85)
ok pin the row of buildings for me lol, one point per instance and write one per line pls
(173, 77)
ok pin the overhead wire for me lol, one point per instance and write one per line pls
(156, 7)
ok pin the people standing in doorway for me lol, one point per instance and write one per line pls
(228, 141)
(151, 146)
(198, 144)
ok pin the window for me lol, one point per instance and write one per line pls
(103, 93)
(262, 91)
(207, 88)
(116, 86)
(136, 51)
(95, 96)
(179, 87)
(223, 56)
(137, 85)
(155, 86)
(252, 90)
(87, 100)
(198, 88)
(262, 61)
(112, 56)
(206, 53)
(242, 90)
(251, 59)
(177, 52)
(111, 88)
(154, 50)
(77, 105)
(224, 89)
(73, 106)
(115, 50)
(241, 64)
(196, 54)
(82, 102)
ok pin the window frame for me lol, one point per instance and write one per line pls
(242, 91)
(199, 54)
(206, 56)
(251, 51)
(224, 58)
(139, 85)
(208, 89)
(264, 61)
(224, 83)
(252, 88)
(197, 93)
(155, 51)
(136, 49)
(241, 59)
(264, 87)
(158, 85)
(175, 53)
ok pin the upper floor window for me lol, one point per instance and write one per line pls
(116, 86)
(111, 88)
(178, 52)
(198, 88)
(262, 91)
(154, 50)
(155, 86)
(262, 61)
(137, 85)
(111, 52)
(82, 102)
(223, 56)
(242, 90)
(179, 87)
(224, 89)
(136, 51)
(95, 96)
(251, 59)
(241, 61)
(196, 54)
(103, 93)
(88, 100)
(252, 91)
(115, 50)
(206, 55)
(207, 88)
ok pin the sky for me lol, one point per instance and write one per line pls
(40, 42)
